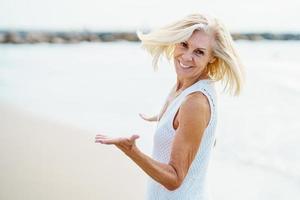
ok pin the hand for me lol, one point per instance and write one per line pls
(147, 118)
(123, 143)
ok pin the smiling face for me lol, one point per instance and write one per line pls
(192, 56)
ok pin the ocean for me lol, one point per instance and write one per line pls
(101, 87)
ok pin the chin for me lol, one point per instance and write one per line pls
(184, 72)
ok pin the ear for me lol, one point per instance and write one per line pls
(212, 60)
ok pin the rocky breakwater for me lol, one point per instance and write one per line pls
(32, 37)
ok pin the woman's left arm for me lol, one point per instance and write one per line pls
(193, 117)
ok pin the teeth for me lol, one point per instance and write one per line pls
(183, 66)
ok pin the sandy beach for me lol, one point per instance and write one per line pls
(43, 159)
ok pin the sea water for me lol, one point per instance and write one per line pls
(102, 87)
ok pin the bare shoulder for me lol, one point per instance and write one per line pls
(194, 112)
(195, 102)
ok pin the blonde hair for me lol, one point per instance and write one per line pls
(227, 66)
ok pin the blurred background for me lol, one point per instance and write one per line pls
(71, 69)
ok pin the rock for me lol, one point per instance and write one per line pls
(14, 37)
(32, 37)
(57, 40)
(2, 38)
(36, 37)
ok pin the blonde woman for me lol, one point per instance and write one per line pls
(202, 53)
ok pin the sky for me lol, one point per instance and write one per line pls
(238, 15)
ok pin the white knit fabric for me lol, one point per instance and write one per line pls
(194, 186)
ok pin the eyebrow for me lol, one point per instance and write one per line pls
(201, 48)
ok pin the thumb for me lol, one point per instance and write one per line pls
(134, 137)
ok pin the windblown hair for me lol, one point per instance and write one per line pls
(227, 67)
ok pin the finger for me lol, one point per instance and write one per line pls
(110, 141)
(103, 141)
(101, 137)
(134, 137)
(99, 141)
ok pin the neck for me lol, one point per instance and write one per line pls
(182, 84)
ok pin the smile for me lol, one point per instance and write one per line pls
(184, 66)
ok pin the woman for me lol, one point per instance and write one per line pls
(202, 52)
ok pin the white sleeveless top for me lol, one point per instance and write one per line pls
(194, 186)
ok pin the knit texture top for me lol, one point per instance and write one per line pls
(194, 185)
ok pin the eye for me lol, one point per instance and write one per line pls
(184, 44)
(199, 52)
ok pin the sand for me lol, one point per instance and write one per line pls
(42, 159)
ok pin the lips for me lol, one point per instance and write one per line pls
(183, 66)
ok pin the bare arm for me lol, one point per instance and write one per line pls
(184, 148)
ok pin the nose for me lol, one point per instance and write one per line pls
(187, 56)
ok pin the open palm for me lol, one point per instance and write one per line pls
(123, 143)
